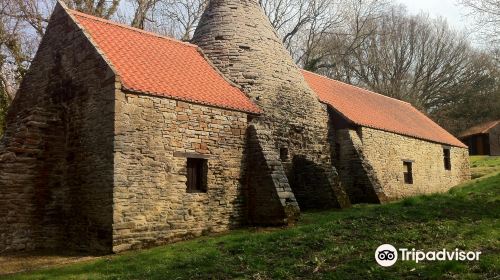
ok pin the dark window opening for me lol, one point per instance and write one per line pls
(337, 151)
(284, 154)
(447, 159)
(197, 175)
(408, 173)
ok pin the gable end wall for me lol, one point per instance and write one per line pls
(56, 162)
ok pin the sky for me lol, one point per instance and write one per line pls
(435, 8)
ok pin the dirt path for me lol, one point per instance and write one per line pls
(20, 262)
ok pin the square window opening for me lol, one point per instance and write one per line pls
(447, 159)
(408, 172)
(197, 170)
(284, 154)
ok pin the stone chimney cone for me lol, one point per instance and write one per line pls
(240, 41)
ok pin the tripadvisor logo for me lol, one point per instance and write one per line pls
(387, 255)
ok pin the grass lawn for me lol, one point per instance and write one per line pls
(327, 245)
(484, 165)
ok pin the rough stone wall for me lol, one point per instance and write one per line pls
(154, 137)
(386, 151)
(495, 141)
(56, 154)
(239, 40)
(358, 177)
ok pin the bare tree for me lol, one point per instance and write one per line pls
(288, 17)
(302, 23)
(33, 12)
(333, 44)
(412, 58)
(36, 13)
(98, 8)
(142, 9)
(486, 14)
(176, 18)
(475, 102)
(13, 56)
(15, 48)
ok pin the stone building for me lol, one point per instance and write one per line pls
(483, 139)
(120, 138)
(385, 148)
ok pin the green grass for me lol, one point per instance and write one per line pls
(327, 245)
(484, 165)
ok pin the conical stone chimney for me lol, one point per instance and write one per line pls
(291, 135)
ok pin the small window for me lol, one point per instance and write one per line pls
(196, 175)
(447, 159)
(283, 154)
(408, 172)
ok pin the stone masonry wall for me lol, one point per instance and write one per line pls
(154, 137)
(240, 41)
(56, 159)
(495, 140)
(358, 177)
(386, 151)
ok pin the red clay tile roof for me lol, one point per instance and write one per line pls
(157, 65)
(366, 108)
(480, 128)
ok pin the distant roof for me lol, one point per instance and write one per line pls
(480, 128)
(370, 109)
(152, 64)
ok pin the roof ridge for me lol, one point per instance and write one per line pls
(130, 28)
(492, 124)
(482, 127)
(136, 82)
(339, 96)
(371, 91)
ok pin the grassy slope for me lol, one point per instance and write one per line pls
(330, 244)
(483, 165)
